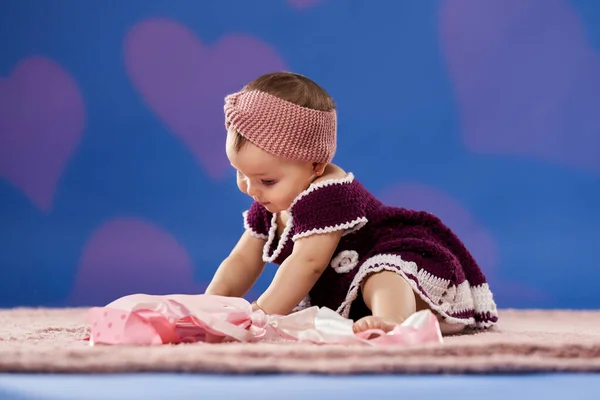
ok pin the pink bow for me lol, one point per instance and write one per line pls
(141, 319)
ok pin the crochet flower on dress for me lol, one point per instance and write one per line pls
(345, 261)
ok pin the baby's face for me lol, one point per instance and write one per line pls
(272, 181)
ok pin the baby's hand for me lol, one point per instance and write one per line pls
(372, 322)
(255, 307)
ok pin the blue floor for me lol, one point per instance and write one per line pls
(292, 387)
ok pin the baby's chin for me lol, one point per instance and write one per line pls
(272, 208)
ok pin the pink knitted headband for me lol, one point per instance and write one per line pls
(282, 128)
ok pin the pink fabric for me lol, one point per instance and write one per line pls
(282, 128)
(153, 320)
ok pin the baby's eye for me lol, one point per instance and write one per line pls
(268, 182)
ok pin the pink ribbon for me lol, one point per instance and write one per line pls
(141, 319)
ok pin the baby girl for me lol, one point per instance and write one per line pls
(335, 244)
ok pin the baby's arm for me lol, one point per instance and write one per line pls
(299, 272)
(240, 270)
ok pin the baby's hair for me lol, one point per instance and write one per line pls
(291, 87)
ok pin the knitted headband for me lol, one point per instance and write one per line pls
(282, 128)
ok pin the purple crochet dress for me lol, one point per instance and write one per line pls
(414, 244)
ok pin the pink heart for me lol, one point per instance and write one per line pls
(41, 123)
(130, 255)
(185, 82)
(526, 80)
(475, 236)
(303, 4)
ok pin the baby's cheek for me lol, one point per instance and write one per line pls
(287, 200)
(241, 184)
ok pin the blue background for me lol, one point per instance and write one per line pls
(134, 208)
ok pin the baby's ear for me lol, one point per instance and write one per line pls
(319, 168)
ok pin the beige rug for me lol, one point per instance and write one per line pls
(48, 340)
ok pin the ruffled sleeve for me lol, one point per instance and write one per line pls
(257, 221)
(328, 207)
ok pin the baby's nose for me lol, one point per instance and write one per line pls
(252, 192)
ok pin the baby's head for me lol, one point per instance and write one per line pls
(281, 134)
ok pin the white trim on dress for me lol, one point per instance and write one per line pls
(440, 296)
(249, 229)
(351, 226)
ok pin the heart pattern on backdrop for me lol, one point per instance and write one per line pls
(185, 81)
(131, 255)
(476, 237)
(42, 118)
(525, 78)
(303, 4)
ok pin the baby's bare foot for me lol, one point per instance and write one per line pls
(372, 322)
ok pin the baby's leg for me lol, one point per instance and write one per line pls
(390, 299)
